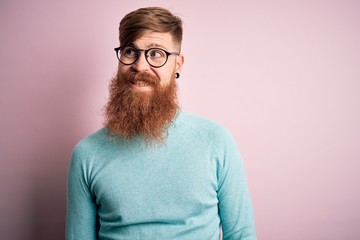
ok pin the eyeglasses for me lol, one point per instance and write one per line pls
(156, 57)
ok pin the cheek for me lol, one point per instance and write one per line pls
(167, 76)
(123, 69)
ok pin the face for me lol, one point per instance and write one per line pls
(143, 99)
(166, 73)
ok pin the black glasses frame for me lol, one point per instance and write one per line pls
(138, 53)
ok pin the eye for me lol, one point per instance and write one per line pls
(129, 52)
(156, 53)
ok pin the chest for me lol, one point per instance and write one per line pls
(160, 185)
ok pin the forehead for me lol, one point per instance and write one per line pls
(155, 39)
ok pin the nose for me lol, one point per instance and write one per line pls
(141, 64)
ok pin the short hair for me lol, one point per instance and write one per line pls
(153, 19)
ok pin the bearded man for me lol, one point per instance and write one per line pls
(155, 171)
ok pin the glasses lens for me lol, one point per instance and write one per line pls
(156, 57)
(128, 55)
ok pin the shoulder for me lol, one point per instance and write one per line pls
(87, 146)
(93, 140)
(212, 134)
(203, 127)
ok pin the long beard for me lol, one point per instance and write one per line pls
(148, 114)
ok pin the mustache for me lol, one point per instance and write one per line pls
(132, 76)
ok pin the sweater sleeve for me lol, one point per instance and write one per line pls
(235, 207)
(81, 217)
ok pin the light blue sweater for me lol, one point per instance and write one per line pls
(181, 190)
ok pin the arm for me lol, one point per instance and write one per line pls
(236, 212)
(81, 221)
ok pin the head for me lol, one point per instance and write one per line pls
(143, 99)
(153, 19)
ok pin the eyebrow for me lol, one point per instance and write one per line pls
(156, 45)
(151, 45)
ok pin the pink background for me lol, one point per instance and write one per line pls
(283, 76)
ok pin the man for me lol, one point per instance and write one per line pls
(154, 171)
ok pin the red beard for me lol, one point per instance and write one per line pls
(130, 113)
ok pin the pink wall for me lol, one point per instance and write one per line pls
(283, 76)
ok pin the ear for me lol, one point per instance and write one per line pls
(179, 63)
